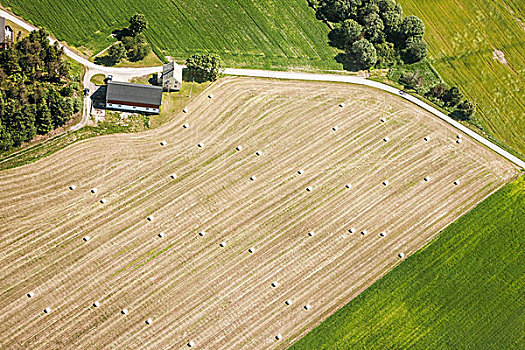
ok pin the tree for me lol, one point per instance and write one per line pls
(464, 111)
(415, 49)
(204, 67)
(137, 24)
(44, 121)
(391, 13)
(386, 54)
(411, 80)
(374, 27)
(437, 91)
(412, 26)
(364, 53)
(452, 97)
(345, 35)
(117, 52)
(337, 10)
(137, 48)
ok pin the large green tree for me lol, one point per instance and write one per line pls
(204, 67)
(137, 24)
(363, 53)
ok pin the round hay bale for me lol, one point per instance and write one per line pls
(251, 250)
(223, 244)
(426, 138)
(149, 321)
(383, 120)
(30, 294)
(86, 238)
(72, 187)
(173, 176)
(210, 96)
(307, 307)
(186, 125)
(382, 234)
(96, 304)
(458, 136)
(342, 104)
(278, 336)
(191, 344)
(401, 255)
(348, 186)
(202, 233)
(386, 139)
(335, 128)
(311, 233)
(458, 141)
(47, 310)
(163, 143)
(94, 190)
(364, 232)
(351, 230)
(309, 188)
(456, 182)
(124, 311)
(275, 284)
(103, 200)
(150, 218)
(238, 148)
(288, 302)
(300, 172)
(427, 178)
(201, 145)
(385, 182)
(161, 234)
(185, 110)
(252, 177)
(258, 153)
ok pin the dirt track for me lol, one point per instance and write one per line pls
(193, 289)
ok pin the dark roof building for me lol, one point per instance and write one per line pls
(133, 97)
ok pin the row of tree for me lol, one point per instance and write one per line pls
(133, 44)
(452, 98)
(373, 33)
(37, 93)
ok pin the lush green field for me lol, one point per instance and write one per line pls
(462, 36)
(463, 291)
(257, 33)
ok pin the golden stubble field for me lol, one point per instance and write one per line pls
(191, 288)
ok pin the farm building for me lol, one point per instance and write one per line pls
(130, 97)
(171, 78)
(6, 33)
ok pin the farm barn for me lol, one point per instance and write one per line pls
(130, 97)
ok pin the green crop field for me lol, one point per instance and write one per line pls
(246, 33)
(463, 291)
(462, 36)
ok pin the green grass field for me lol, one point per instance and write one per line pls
(247, 33)
(462, 36)
(465, 290)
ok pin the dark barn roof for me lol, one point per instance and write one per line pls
(134, 93)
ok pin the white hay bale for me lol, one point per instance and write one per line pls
(150, 218)
(251, 250)
(201, 145)
(386, 139)
(210, 96)
(300, 172)
(309, 188)
(288, 302)
(275, 284)
(161, 234)
(307, 307)
(185, 110)
(94, 190)
(223, 244)
(342, 104)
(401, 255)
(186, 126)
(348, 186)
(30, 294)
(456, 182)
(96, 304)
(202, 233)
(124, 311)
(86, 238)
(382, 234)
(335, 128)
(351, 230)
(383, 120)
(426, 138)
(191, 344)
(385, 182)
(364, 232)
(72, 187)
(278, 336)
(103, 200)
(258, 153)
(238, 148)
(47, 310)
(163, 143)
(252, 177)
(173, 176)
(311, 233)
(427, 178)
(458, 136)
(149, 321)
(458, 141)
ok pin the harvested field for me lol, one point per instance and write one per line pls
(191, 288)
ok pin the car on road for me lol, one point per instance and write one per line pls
(86, 92)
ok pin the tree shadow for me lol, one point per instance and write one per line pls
(348, 63)
(189, 76)
(105, 61)
(120, 33)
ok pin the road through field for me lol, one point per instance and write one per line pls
(127, 73)
(192, 288)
